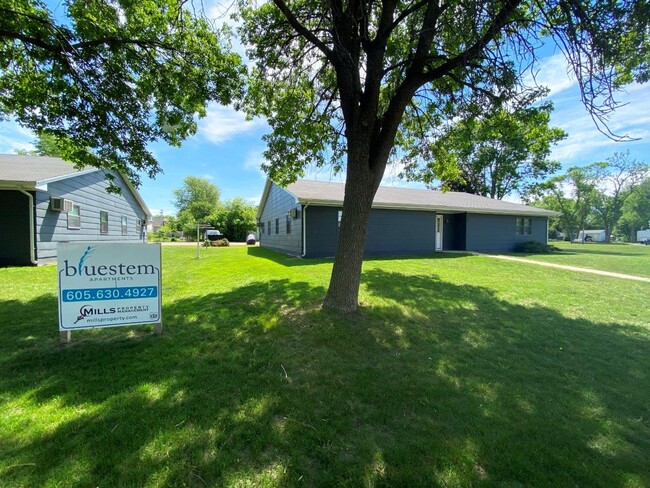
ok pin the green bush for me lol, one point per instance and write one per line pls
(221, 243)
(535, 247)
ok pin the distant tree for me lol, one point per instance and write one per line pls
(106, 78)
(46, 145)
(636, 211)
(235, 219)
(197, 197)
(616, 180)
(573, 194)
(497, 151)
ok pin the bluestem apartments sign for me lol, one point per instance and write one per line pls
(108, 285)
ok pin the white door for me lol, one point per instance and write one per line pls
(439, 232)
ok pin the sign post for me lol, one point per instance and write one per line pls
(108, 285)
(198, 239)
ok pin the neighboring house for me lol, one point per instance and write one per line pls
(303, 219)
(592, 235)
(46, 201)
(642, 235)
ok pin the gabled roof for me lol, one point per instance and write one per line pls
(331, 194)
(34, 172)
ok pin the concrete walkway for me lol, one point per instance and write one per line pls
(569, 268)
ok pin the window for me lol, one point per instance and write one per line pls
(277, 226)
(138, 225)
(74, 217)
(340, 215)
(103, 222)
(269, 227)
(288, 225)
(523, 226)
(125, 225)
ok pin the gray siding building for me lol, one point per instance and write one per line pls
(303, 219)
(47, 201)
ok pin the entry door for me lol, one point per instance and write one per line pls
(439, 232)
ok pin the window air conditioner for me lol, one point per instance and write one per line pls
(60, 204)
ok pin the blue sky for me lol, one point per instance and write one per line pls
(227, 149)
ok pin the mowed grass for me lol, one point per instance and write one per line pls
(633, 259)
(457, 371)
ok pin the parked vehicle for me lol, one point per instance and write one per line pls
(213, 235)
(250, 239)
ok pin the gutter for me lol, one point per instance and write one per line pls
(32, 255)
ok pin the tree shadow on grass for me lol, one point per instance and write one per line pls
(439, 385)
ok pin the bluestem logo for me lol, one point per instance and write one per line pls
(83, 269)
(87, 253)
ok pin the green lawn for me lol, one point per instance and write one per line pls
(631, 259)
(458, 371)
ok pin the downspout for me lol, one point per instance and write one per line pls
(304, 230)
(32, 256)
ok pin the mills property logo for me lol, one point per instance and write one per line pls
(91, 270)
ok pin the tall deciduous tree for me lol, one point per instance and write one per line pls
(495, 152)
(235, 219)
(107, 77)
(355, 82)
(197, 197)
(636, 211)
(616, 180)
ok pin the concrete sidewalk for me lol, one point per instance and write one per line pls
(570, 268)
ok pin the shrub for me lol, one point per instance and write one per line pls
(221, 243)
(535, 247)
(206, 243)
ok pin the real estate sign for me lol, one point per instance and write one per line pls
(108, 285)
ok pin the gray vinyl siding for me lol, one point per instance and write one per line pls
(14, 228)
(390, 232)
(277, 206)
(496, 233)
(89, 192)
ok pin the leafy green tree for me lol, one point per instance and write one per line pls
(496, 152)
(573, 194)
(45, 145)
(354, 83)
(197, 197)
(636, 211)
(236, 219)
(106, 78)
(616, 180)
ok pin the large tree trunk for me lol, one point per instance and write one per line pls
(360, 188)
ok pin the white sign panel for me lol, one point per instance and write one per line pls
(108, 285)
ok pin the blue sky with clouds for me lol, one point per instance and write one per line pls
(227, 149)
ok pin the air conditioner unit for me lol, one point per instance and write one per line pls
(60, 204)
(293, 213)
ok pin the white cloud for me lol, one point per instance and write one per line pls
(13, 137)
(224, 123)
(586, 143)
(552, 72)
(207, 176)
(254, 160)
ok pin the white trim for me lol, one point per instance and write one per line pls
(42, 184)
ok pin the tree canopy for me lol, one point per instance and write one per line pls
(358, 83)
(197, 197)
(495, 152)
(106, 78)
